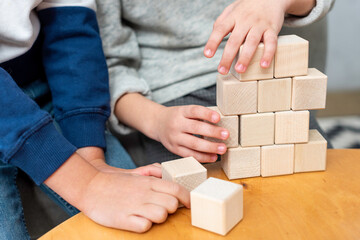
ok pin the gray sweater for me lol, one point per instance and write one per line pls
(155, 47)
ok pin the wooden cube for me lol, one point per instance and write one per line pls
(311, 156)
(231, 123)
(291, 56)
(216, 205)
(292, 127)
(234, 97)
(277, 160)
(254, 71)
(257, 129)
(309, 92)
(241, 162)
(185, 171)
(274, 95)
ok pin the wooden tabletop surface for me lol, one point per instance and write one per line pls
(318, 205)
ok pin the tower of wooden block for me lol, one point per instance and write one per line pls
(272, 107)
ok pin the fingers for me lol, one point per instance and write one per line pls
(206, 129)
(173, 189)
(270, 42)
(170, 203)
(202, 145)
(149, 170)
(247, 52)
(232, 48)
(135, 224)
(202, 113)
(221, 28)
(153, 212)
(200, 156)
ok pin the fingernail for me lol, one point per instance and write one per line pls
(224, 134)
(240, 68)
(208, 52)
(264, 64)
(214, 118)
(222, 70)
(221, 149)
(214, 158)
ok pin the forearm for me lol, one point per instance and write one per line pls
(299, 7)
(71, 179)
(138, 112)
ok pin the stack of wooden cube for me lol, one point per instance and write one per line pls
(267, 114)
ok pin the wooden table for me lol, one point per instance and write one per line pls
(321, 205)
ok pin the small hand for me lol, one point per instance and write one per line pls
(176, 126)
(131, 202)
(249, 22)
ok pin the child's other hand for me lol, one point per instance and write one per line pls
(249, 22)
(175, 127)
(131, 202)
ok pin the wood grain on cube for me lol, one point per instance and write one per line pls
(257, 129)
(291, 56)
(234, 97)
(309, 92)
(311, 156)
(292, 127)
(231, 123)
(274, 95)
(254, 71)
(187, 172)
(277, 160)
(241, 162)
(216, 205)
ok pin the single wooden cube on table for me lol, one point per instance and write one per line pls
(216, 205)
(311, 156)
(187, 172)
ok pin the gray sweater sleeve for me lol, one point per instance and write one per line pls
(122, 56)
(319, 11)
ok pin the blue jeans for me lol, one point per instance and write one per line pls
(12, 222)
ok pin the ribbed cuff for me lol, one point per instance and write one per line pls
(85, 129)
(43, 153)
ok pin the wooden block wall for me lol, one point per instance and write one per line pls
(241, 162)
(277, 160)
(274, 95)
(311, 156)
(231, 123)
(234, 97)
(292, 127)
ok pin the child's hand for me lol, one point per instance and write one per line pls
(175, 127)
(249, 22)
(131, 202)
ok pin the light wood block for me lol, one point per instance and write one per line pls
(185, 171)
(254, 71)
(277, 160)
(257, 129)
(231, 123)
(274, 95)
(311, 156)
(241, 162)
(234, 97)
(217, 205)
(292, 127)
(291, 56)
(309, 92)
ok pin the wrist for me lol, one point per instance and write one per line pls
(152, 128)
(72, 179)
(299, 7)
